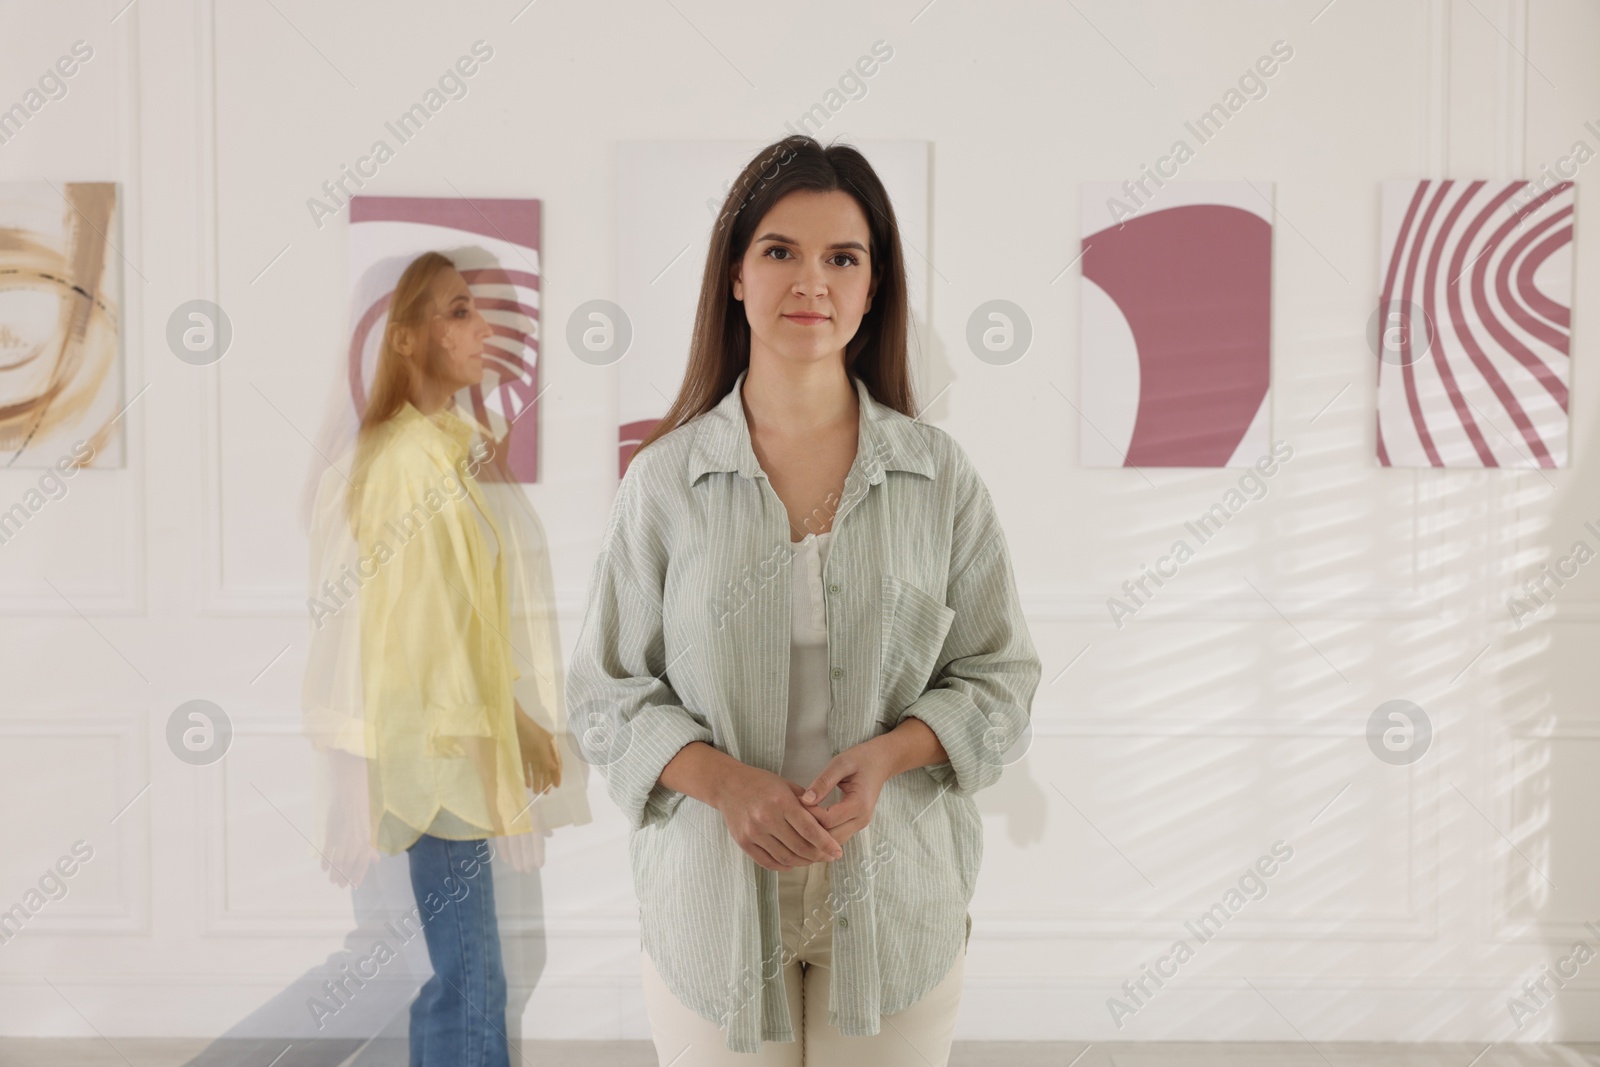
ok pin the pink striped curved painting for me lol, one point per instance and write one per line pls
(495, 244)
(1473, 326)
(1177, 325)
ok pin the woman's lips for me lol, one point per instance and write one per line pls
(807, 320)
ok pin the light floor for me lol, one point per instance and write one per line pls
(146, 1052)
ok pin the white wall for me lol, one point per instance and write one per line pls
(1172, 753)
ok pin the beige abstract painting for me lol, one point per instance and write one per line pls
(61, 368)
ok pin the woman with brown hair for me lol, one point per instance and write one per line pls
(803, 651)
(451, 578)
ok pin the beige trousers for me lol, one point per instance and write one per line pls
(917, 1037)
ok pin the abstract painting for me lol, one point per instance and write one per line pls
(495, 246)
(1473, 328)
(61, 367)
(1176, 325)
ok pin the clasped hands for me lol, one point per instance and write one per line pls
(781, 824)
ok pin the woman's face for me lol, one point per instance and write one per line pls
(806, 279)
(456, 332)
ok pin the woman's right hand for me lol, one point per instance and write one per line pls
(764, 814)
(348, 851)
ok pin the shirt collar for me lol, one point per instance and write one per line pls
(456, 431)
(886, 439)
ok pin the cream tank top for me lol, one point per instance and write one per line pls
(806, 750)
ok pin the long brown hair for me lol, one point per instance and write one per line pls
(397, 378)
(720, 347)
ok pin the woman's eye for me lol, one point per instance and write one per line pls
(849, 257)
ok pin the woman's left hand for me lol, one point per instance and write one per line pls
(541, 757)
(859, 772)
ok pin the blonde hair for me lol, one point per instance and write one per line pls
(398, 377)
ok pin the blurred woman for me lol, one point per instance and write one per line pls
(450, 752)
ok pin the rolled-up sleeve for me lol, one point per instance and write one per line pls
(980, 701)
(333, 716)
(629, 721)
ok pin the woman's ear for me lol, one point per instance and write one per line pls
(402, 338)
(736, 282)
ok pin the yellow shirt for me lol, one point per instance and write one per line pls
(421, 600)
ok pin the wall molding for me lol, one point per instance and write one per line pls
(131, 833)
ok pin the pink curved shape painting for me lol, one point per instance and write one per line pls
(495, 244)
(1177, 327)
(1472, 331)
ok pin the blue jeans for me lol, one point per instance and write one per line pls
(459, 1016)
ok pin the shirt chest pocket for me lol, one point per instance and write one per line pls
(915, 623)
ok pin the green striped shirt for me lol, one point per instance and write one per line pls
(686, 637)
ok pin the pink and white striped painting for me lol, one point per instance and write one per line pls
(1177, 325)
(494, 243)
(1473, 328)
